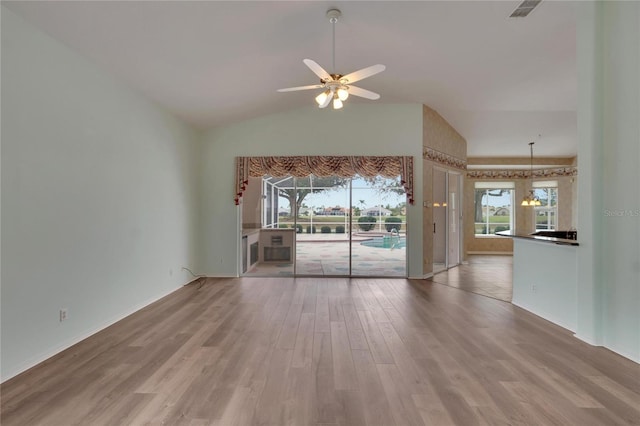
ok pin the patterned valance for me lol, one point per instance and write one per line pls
(322, 166)
(522, 174)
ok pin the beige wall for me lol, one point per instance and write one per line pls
(440, 136)
(451, 150)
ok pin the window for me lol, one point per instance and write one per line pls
(275, 207)
(547, 212)
(493, 207)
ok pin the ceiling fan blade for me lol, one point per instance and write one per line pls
(363, 73)
(363, 93)
(317, 69)
(293, 89)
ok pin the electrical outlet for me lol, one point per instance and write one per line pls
(534, 288)
(171, 272)
(64, 313)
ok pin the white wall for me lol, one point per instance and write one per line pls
(358, 129)
(98, 198)
(621, 138)
(608, 155)
(545, 280)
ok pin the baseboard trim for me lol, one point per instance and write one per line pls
(423, 277)
(591, 342)
(221, 276)
(586, 339)
(544, 315)
(501, 253)
(66, 344)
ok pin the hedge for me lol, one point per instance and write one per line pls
(393, 223)
(367, 223)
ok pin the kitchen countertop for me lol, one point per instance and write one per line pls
(552, 240)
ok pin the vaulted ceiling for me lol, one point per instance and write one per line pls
(500, 81)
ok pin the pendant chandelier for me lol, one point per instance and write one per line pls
(531, 199)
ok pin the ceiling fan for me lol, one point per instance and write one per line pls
(337, 87)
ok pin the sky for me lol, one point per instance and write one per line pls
(340, 197)
(503, 200)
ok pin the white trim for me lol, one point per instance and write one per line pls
(590, 341)
(544, 315)
(586, 339)
(223, 276)
(494, 185)
(545, 184)
(506, 253)
(423, 277)
(66, 344)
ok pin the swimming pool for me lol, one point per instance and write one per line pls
(386, 242)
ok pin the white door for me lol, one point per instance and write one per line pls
(454, 217)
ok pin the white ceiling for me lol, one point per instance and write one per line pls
(500, 82)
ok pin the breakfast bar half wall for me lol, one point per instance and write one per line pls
(545, 277)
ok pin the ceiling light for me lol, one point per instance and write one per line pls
(322, 97)
(531, 199)
(337, 103)
(343, 93)
(337, 86)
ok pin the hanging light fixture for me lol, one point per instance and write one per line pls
(336, 88)
(531, 199)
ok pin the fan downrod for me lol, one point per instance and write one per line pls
(333, 15)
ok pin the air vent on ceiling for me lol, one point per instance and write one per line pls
(525, 8)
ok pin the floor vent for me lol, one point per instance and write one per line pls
(525, 8)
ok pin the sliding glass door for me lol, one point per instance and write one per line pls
(323, 226)
(378, 240)
(332, 226)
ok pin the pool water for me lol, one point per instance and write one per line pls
(386, 242)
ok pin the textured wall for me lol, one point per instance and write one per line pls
(438, 135)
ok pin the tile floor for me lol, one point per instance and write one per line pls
(329, 256)
(488, 275)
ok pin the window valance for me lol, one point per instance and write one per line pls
(342, 166)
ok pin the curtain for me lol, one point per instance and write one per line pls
(341, 166)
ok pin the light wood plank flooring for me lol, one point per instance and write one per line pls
(489, 275)
(323, 351)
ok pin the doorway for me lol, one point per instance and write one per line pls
(447, 218)
(352, 226)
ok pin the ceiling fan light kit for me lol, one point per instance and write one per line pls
(337, 87)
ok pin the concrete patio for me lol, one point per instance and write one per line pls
(328, 255)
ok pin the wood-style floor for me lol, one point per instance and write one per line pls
(489, 275)
(323, 351)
